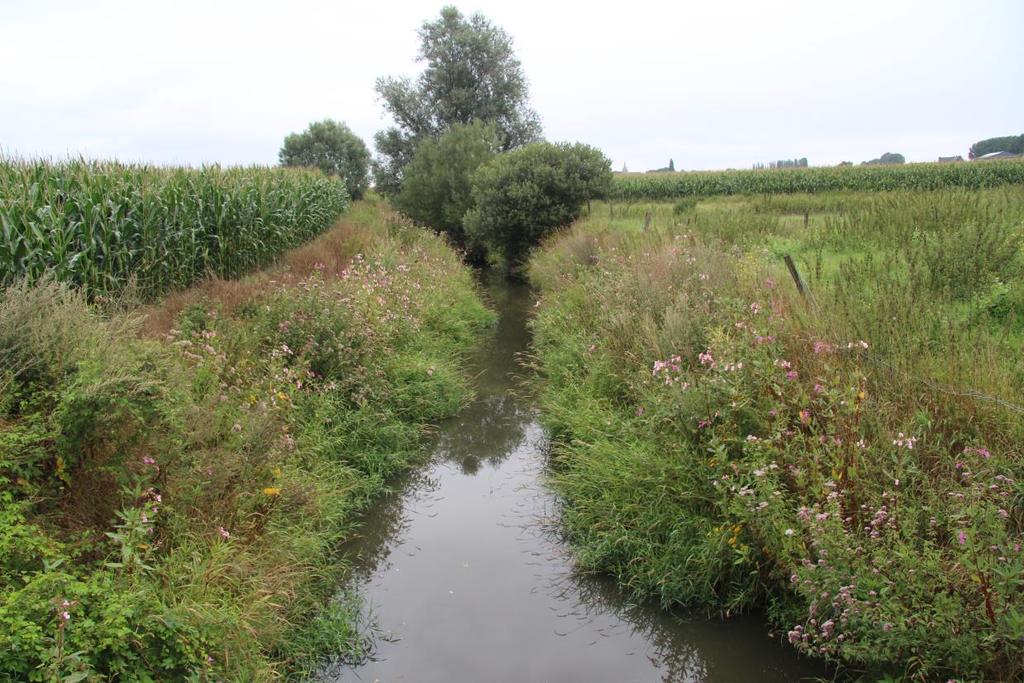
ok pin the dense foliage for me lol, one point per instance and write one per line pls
(170, 505)
(100, 225)
(334, 149)
(851, 461)
(521, 196)
(637, 187)
(1011, 143)
(471, 74)
(887, 158)
(436, 190)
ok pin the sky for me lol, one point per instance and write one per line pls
(711, 84)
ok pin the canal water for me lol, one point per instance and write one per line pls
(465, 578)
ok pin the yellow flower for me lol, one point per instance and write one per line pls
(276, 471)
(272, 491)
(281, 396)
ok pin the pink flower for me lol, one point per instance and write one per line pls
(961, 537)
(818, 389)
(224, 533)
(983, 452)
(805, 416)
(792, 375)
(707, 359)
(146, 460)
(821, 347)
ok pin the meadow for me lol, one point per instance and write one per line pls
(105, 226)
(632, 187)
(847, 458)
(175, 480)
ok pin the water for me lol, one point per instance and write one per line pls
(466, 578)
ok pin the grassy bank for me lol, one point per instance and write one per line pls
(101, 226)
(850, 461)
(633, 187)
(173, 482)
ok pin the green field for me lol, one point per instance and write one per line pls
(849, 460)
(634, 187)
(100, 226)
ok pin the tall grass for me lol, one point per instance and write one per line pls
(662, 186)
(850, 461)
(100, 225)
(171, 501)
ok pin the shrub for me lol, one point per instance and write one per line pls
(436, 190)
(523, 195)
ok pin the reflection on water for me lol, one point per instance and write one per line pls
(467, 579)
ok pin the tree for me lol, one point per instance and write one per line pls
(1011, 143)
(471, 74)
(887, 158)
(333, 148)
(437, 186)
(672, 165)
(521, 196)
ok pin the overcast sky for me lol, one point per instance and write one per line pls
(711, 84)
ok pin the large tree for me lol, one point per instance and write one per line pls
(333, 148)
(471, 74)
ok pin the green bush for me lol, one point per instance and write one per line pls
(521, 196)
(436, 186)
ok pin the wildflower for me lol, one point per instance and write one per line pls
(961, 537)
(65, 616)
(789, 532)
(272, 491)
(903, 441)
(805, 417)
(755, 308)
(983, 452)
(821, 347)
(224, 533)
(792, 375)
(818, 389)
(707, 359)
(146, 460)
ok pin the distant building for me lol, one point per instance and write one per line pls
(997, 155)
(950, 160)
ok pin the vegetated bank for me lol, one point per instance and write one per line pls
(850, 461)
(632, 187)
(173, 482)
(98, 225)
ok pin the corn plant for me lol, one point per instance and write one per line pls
(100, 224)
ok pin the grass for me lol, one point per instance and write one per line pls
(174, 480)
(851, 462)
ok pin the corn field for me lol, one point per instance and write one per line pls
(974, 176)
(100, 224)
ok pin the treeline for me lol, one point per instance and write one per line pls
(1010, 143)
(100, 225)
(819, 179)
